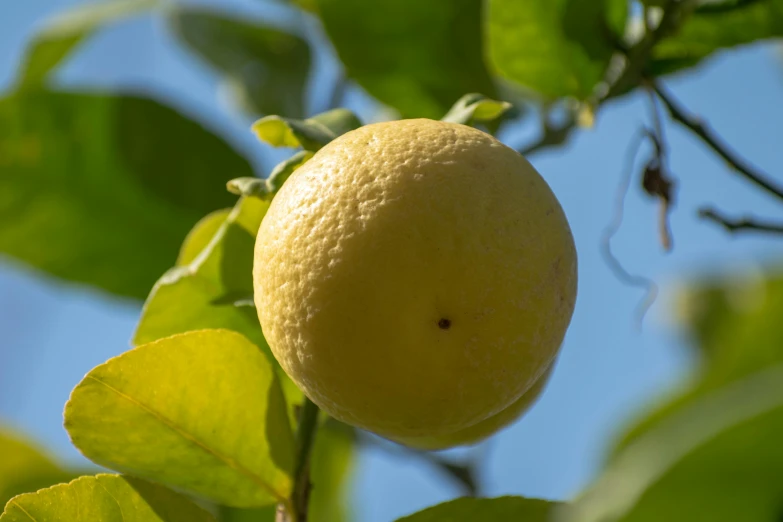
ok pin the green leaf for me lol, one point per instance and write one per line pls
(105, 498)
(101, 189)
(310, 134)
(415, 56)
(556, 48)
(716, 26)
(200, 236)
(734, 324)
(201, 412)
(267, 68)
(719, 459)
(25, 468)
(475, 108)
(267, 188)
(332, 462)
(60, 36)
(500, 508)
(199, 294)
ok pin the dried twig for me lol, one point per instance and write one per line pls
(746, 224)
(651, 289)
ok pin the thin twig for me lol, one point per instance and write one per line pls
(464, 474)
(682, 116)
(651, 289)
(296, 510)
(746, 224)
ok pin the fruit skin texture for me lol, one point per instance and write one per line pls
(415, 277)
(485, 428)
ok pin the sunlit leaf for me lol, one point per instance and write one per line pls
(102, 189)
(200, 236)
(415, 56)
(204, 292)
(202, 412)
(475, 108)
(267, 68)
(715, 26)
(60, 35)
(718, 459)
(24, 468)
(555, 48)
(310, 134)
(500, 508)
(105, 498)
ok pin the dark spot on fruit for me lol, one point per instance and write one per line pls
(444, 324)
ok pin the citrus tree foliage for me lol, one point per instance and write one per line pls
(127, 194)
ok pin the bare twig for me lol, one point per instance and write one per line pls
(651, 289)
(700, 129)
(746, 224)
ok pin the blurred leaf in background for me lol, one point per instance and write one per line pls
(100, 189)
(415, 56)
(556, 48)
(266, 68)
(63, 33)
(25, 468)
(713, 451)
(715, 26)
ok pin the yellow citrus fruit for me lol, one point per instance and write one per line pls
(485, 428)
(415, 277)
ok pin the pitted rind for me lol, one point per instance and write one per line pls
(388, 229)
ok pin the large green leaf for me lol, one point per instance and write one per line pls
(104, 498)
(24, 468)
(416, 56)
(267, 68)
(214, 289)
(202, 412)
(101, 189)
(64, 32)
(718, 460)
(555, 48)
(472, 509)
(735, 324)
(716, 26)
(332, 461)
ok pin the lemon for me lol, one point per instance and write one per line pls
(485, 428)
(415, 278)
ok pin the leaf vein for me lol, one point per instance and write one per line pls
(231, 463)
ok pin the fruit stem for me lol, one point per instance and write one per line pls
(296, 509)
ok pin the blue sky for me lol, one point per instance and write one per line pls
(53, 333)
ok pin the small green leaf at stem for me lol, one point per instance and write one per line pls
(310, 134)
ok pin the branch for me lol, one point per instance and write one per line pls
(700, 129)
(741, 225)
(463, 474)
(296, 509)
(551, 137)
